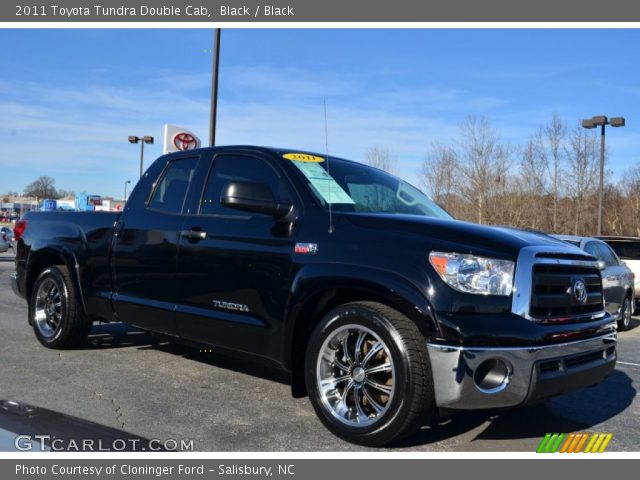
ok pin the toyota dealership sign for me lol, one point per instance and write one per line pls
(177, 139)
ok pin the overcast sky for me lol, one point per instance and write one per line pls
(69, 98)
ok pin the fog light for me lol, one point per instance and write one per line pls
(492, 376)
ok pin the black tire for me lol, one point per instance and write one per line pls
(70, 328)
(625, 315)
(412, 400)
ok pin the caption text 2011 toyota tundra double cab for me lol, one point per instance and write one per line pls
(382, 307)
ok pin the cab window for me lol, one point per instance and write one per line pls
(227, 168)
(606, 255)
(592, 249)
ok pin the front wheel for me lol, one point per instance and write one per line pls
(625, 315)
(56, 321)
(368, 374)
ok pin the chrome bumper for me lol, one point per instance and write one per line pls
(13, 277)
(493, 377)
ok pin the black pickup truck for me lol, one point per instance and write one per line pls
(382, 307)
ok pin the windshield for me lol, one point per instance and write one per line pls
(353, 187)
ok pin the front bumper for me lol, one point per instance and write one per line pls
(13, 277)
(494, 377)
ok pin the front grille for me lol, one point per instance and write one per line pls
(552, 298)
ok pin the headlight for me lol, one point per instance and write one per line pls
(472, 274)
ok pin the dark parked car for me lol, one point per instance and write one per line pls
(618, 280)
(381, 306)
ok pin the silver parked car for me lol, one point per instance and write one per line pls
(617, 278)
(628, 250)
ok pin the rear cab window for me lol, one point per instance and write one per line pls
(170, 191)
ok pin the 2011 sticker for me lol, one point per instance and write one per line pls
(303, 157)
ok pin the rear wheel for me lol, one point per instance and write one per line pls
(368, 374)
(56, 321)
(625, 315)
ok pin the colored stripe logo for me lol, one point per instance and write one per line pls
(581, 442)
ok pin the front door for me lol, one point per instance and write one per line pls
(235, 270)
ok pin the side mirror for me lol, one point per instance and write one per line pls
(253, 197)
(601, 265)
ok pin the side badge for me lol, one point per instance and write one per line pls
(306, 248)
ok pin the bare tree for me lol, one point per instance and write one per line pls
(533, 167)
(380, 157)
(6, 197)
(582, 169)
(439, 174)
(532, 183)
(630, 187)
(554, 136)
(43, 187)
(64, 193)
(553, 188)
(484, 165)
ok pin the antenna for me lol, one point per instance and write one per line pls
(326, 144)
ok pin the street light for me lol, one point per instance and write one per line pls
(125, 189)
(602, 121)
(142, 140)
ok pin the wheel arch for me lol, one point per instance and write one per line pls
(319, 289)
(48, 257)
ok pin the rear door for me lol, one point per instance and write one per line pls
(145, 248)
(235, 273)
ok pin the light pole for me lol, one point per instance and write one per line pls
(142, 140)
(602, 121)
(125, 189)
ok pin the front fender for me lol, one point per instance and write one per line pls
(314, 282)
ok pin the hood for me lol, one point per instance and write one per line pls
(466, 237)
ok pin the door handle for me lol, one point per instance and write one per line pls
(193, 234)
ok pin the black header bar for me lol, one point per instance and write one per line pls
(320, 11)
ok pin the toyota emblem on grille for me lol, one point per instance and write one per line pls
(579, 290)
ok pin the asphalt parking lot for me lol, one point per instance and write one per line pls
(129, 381)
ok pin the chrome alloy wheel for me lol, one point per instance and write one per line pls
(48, 308)
(355, 375)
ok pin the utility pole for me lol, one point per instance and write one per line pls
(214, 87)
